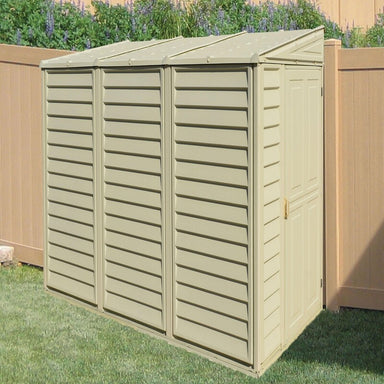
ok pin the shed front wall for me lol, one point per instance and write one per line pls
(133, 197)
(212, 197)
(69, 183)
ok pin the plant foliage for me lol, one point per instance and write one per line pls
(70, 25)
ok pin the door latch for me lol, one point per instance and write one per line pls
(286, 208)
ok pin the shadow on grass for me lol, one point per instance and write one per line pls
(350, 338)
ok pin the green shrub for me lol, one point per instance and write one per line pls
(69, 25)
(375, 34)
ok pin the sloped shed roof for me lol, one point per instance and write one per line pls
(302, 46)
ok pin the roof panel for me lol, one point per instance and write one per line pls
(239, 48)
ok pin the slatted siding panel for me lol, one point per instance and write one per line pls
(272, 208)
(212, 288)
(70, 199)
(133, 195)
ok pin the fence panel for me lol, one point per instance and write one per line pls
(21, 192)
(354, 117)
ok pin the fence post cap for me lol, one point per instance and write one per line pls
(332, 43)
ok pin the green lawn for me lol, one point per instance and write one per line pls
(46, 340)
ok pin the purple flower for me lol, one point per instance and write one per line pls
(18, 37)
(88, 44)
(30, 32)
(65, 38)
(49, 24)
(220, 16)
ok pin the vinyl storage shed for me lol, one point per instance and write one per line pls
(184, 192)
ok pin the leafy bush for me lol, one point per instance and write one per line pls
(70, 25)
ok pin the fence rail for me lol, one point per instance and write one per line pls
(21, 201)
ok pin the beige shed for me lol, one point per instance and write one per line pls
(184, 188)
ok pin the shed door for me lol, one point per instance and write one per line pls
(303, 143)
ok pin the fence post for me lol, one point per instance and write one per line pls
(332, 51)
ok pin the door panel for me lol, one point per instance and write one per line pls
(303, 192)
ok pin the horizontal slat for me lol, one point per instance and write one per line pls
(272, 285)
(212, 247)
(271, 136)
(271, 304)
(130, 211)
(272, 342)
(133, 310)
(272, 230)
(271, 155)
(215, 136)
(139, 163)
(272, 173)
(132, 96)
(70, 109)
(211, 98)
(70, 139)
(70, 198)
(214, 284)
(135, 130)
(272, 211)
(84, 275)
(206, 264)
(71, 242)
(272, 248)
(70, 169)
(215, 340)
(69, 79)
(133, 179)
(69, 124)
(217, 303)
(211, 79)
(71, 256)
(68, 154)
(136, 293)
(272, 192)
(132, 79)
(272, 98)
(271, 267)
(133, 228)
(140, 147)
(212, 210)
(217, 193)
(213, 155)
(272, 322)
(70, 94)
(71, 287)
(70, 183)
(213, 229)
(141, 279)
(75, 214)
(212, 117)
(271, 78)
(70, 227)
(226, 175)
(133, 244)
(132, 113)
(271, 117)
(205, 317)
(133, 196)
(134, 261)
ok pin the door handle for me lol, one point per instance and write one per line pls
(286, 208)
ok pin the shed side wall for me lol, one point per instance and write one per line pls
(270, 99)
(69, 183)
